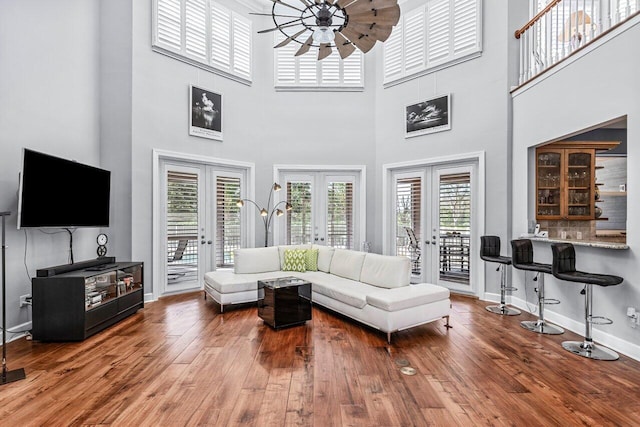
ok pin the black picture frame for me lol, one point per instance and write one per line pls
(430, 116)
(205, 113)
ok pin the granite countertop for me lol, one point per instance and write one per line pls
(590, 243)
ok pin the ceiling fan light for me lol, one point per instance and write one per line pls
(323, 35)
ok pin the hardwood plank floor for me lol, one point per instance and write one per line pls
(180, 362)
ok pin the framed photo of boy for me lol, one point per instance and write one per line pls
(205, 115)
(433, 115)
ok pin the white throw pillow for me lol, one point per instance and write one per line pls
(347, 264)
(256, 260)
(386, 271)
(325, 254)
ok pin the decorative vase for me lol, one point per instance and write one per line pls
(598, 211)
(597, 193)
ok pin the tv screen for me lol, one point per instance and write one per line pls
(61, 193)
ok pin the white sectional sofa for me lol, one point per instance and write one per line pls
(372, 289)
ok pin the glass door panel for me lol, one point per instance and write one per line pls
(549, 167)
(408, 221)
(580, 183)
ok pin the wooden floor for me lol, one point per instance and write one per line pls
(180, 362)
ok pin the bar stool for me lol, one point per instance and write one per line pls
(490, 251)
(522, 259)
(564, 268)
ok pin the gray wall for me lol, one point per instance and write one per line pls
(49, 102)
(559, 105)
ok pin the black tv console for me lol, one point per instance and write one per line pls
(72, 302)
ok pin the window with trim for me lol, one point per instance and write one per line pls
(305, 71)
(204, 33)
(435, 35)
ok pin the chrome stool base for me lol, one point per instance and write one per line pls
(590, 350)
(541, 327)
(503, 309)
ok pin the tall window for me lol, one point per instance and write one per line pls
(455, 227)
(305, 71)
(432, 36)
(228, 220)
(182, 226)
(408, 204)
(299, 225)
(205, 34)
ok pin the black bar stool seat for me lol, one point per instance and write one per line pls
(564, 268)
(522, 259)
(490, 252)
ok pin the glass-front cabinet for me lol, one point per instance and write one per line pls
(565, 183)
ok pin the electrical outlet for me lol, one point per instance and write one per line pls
(23, 300)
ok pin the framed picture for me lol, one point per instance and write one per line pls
(205, 115)
(433, 115)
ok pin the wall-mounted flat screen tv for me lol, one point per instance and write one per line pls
(60, 193)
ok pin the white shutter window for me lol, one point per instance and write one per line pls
(204, 34)
(414, 40)
(408, 213)
(340, 215)
(393, 53)
(168, 32)
(455, 227)
(453, 33)
(241, 46)
(196, 29)
(352, 69)
(220, 36)
(299, 226)
(285, 62)
(182, 223)
(438, 28)
(465, 27)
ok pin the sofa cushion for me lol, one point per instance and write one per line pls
(312, 259)
(256, 260)
(340, 289)
(295, 260)
(283, 248)
(386, 271)
(325, 255)
(407, 296)
(226, 281)
(347, 264)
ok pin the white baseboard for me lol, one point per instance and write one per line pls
(18, 331)
(148, 297)
(625, 347)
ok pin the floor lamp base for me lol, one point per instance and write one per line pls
(12, 376)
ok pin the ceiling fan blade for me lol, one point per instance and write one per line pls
(344, 3)
(362, 41)
(378, 32)
(360, 6)
(387, 16)
(288, 39)
(324, 51)
(287, 5)
(345, 48)
(269, 14)
(305, 47)
(285, 25)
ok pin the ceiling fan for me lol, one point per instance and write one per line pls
(325, 24)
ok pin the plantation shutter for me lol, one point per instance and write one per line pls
(241, 46)
(299, 226)
(228, 219)
(330, 70)
(414, 40)
(307, 69)
(438, 31)
(182, 222)
(455, 203)
(340, 215)
(168, 30)
(393, 53)
(465, 27)
(196, 29)
(408, 205)
(220, 36)
(352, 69)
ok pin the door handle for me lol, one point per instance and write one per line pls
(322, 239)
(315, 239)
(209, 242)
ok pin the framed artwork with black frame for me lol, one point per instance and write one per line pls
(424, 117)
(205, 115)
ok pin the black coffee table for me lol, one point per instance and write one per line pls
(284, 302)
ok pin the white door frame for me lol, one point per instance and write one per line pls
(477, 191)
(159, 156)
(339, 169)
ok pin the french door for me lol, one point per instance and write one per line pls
(202, 224)
(326, 209)
(432, 223)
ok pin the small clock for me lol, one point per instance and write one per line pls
(102, 241)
